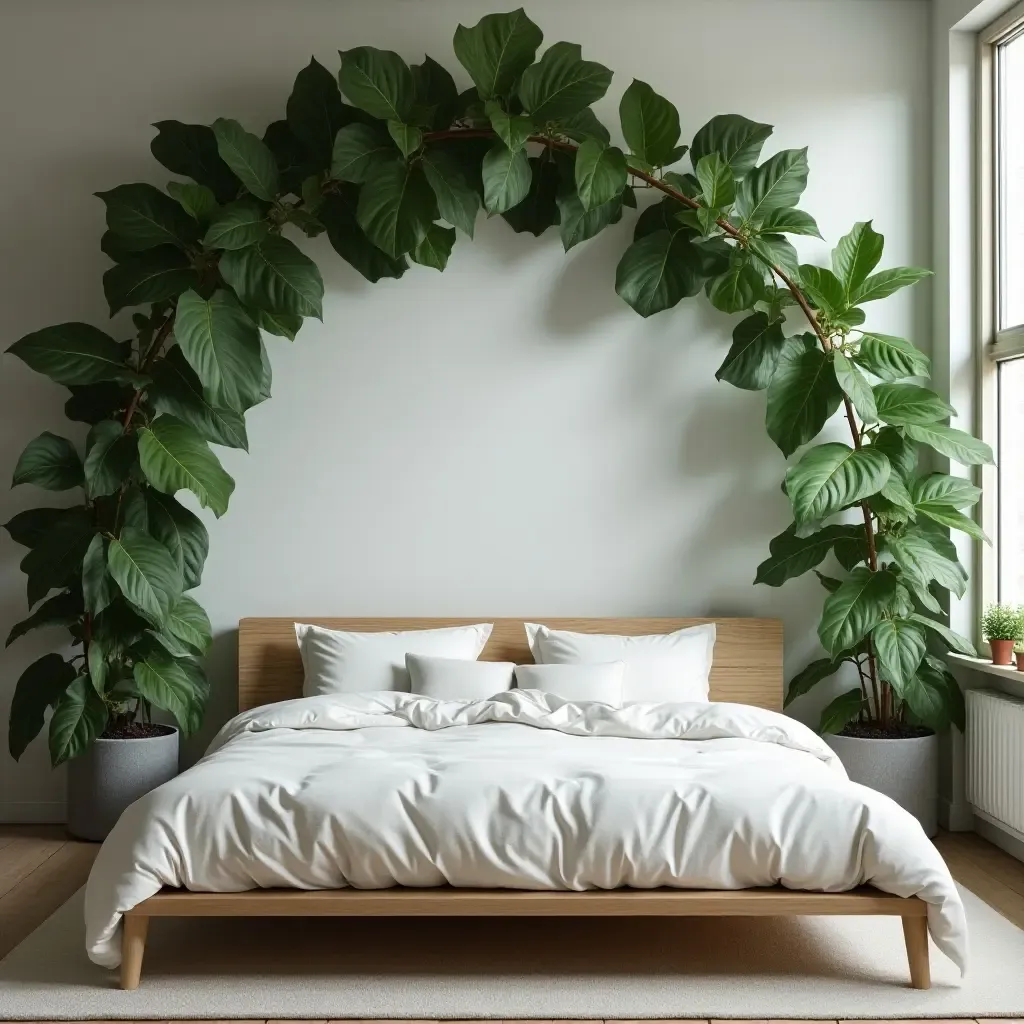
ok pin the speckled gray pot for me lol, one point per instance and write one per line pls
(112, 774)
(906, 770)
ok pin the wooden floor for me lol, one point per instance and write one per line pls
(40, 868)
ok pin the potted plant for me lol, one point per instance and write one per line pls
(1002, 626)
(1018, 650)
(206, 265)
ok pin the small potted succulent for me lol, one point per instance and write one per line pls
(1002, 626)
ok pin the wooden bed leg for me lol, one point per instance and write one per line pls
(133, 945)
(915, 932)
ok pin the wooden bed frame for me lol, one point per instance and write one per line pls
(747, 670)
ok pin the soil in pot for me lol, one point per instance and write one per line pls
(135, 731)
(893, 731)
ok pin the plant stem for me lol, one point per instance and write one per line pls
(158, 341)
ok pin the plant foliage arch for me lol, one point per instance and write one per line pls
(393, 162)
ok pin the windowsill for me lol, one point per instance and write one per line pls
(986, 666)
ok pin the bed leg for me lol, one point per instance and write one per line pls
(915, 932)
(133, 945)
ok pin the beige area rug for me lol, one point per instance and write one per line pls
(539, 969)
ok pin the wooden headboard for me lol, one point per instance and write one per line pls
(747, 666)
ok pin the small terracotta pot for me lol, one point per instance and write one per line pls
(1002, 652)
(1020, 662)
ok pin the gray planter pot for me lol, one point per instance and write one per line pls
(112, 774)
(905, 770)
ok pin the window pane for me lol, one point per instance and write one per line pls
(1011, 481)
(1011, 182)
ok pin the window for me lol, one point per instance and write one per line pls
(1003, 321)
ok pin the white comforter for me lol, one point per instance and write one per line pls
(521, 791)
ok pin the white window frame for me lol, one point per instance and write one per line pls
(994, 345)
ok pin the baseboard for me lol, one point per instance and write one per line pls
(999, 834)
(956, 816)
(34, 812)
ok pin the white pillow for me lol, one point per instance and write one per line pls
(341, 662)
(458, 679)
(664, 667)
(600, 683)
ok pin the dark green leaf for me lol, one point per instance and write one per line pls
(406, 137)
(512, 129)
(900, 646)
(884, 283)
(457, 201)
(946, 515)
(50, 462)
(956, 444)
(851, 546)
(657, 271)
(840, 712)
(396, 208)
(830, 583)
(315, 112)
(776, 251)
(718, 188)
(189, 623)
(561, 84)
(434, 248)
(338, 213)
(238, 224)
(650, 123)
(90, 403)
(791, 556)
(74, 354)
(98, 587)
(182, 533)
(600, 173)
(41, 685)
(754, 354)
(915, 554)
(191, 149)
(892, 358)
(506, 177)
(738, 140)
(29, 528)
(151, 276)
(856, 608)
(903, 404)
(778, 183)
(739, 287)
(56, 559)
(952, 640)
(823, 288)
(293, 161)
(789, 220)
(377, 81)
(934, 696)
(856, 255)
(275, 276)
(855, 386)
(901, 453)
(284, 325)
(141, 217)
(577, 224)
(250, 158)
(808, 677)
(359, 150)
(176, 686)
(497, 50)
(110, 458)
(146, 572)
(78, 718)
(197, 201)
(583, 126)
(175, 457)
(436, 91)
(61, 610)
(831, 476)
(802, 395)
(938, 488)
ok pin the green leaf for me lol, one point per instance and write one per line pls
(658, 270)
(757, 343)
(506, 177)
(50, 462)
(904, 404)
(41, 685)
(189, 623)
(222, 345)
(577, 224)
(30, 528)
(63, 609)
(275, 276)
(174, 685)
(175, 457)
(896, 494)
(946, 515)
(182, 533)
(457, 201)
(884, 283)
(338, 213)
(940, 489)
(823, 288)
(435, 90)
(739, 287)
(74, 354)
(78, 718)
(901, 453)
(778, 183)
(561, 84)
(141, 217)
(146, 572)
(856, 608)
(396, 208)
(406, 137)
(917, 556)
(434, 248)
(315, 112)
(840, 712)
(293, 161)
(738, 140)
(56, 559)
(110, 458)
(900, 646)
(512, 129)
(359, 150)
(90, 403)
(851, 546)
(791, 556)
(600, 173)
(249, 157)
(176, 389)
(808, 677)
(238, 224)
(952, 640)
(377, 81)
(789, 220)
(283, 325)
(955, 444)
(802, 395)
(583, 126)
(191, 150)
(831, 476)
(891, 358)
(197, 201)
(718, 189)
(650, 123)
(98, 588)
(151, 276)
(856, 255)
(542, 206)
(496, 50)
(855, 386)
(934, 696)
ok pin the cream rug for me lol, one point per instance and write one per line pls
(468, 968)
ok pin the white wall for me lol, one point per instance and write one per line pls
(505, 439)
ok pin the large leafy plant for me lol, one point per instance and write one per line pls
(392, 162)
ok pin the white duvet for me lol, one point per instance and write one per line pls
(521, 791)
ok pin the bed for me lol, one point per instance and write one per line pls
(153, 866)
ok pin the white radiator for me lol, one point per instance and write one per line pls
(995, 756)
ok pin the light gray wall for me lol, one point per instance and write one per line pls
(505, 439)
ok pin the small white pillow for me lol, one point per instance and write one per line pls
(661, 668)
(600, 683)
(457, 679)
(342, 662)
